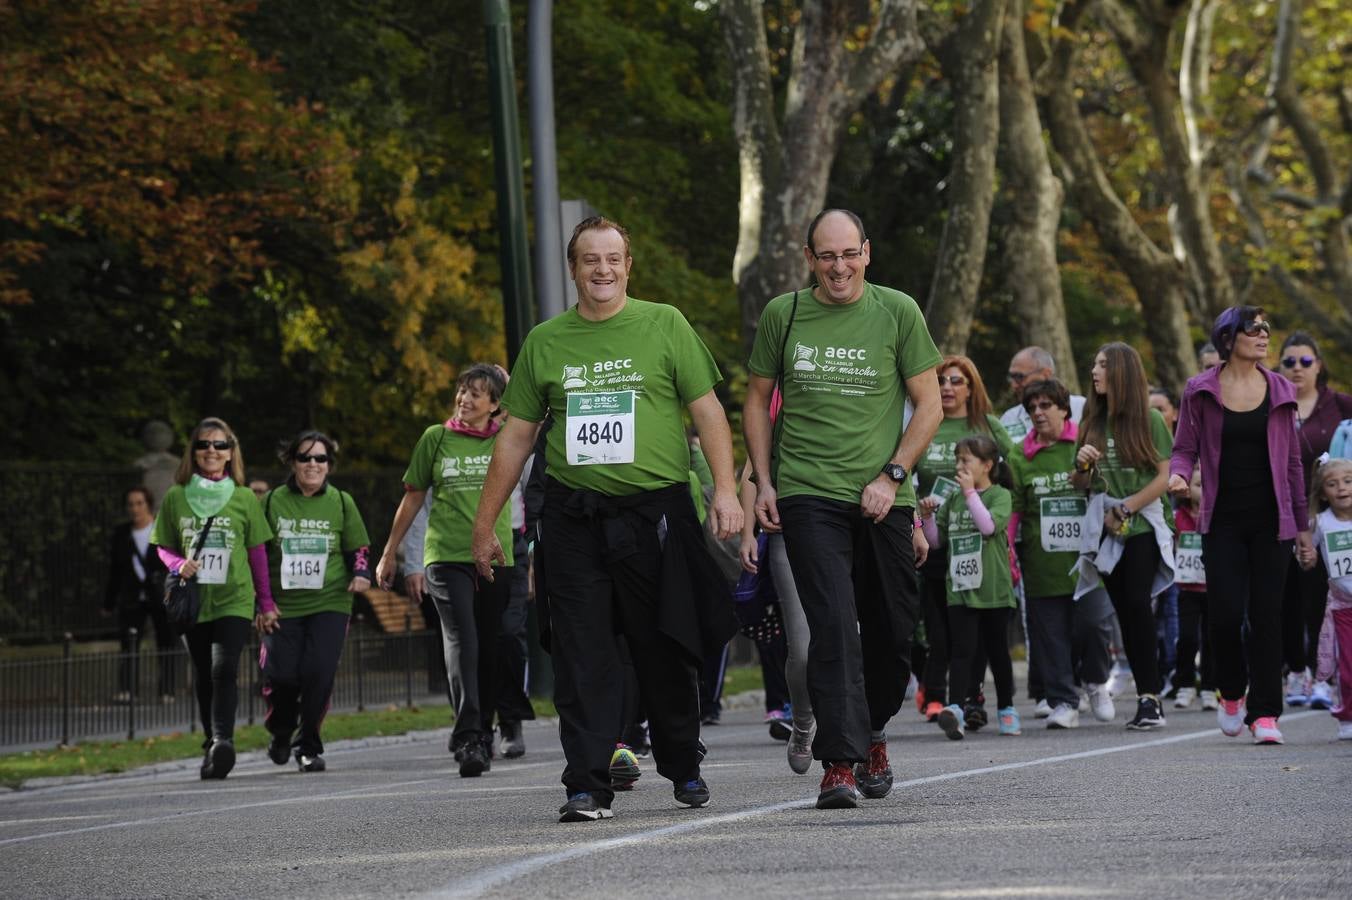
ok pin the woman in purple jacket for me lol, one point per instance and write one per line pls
(1319, 408)
(1240, 420)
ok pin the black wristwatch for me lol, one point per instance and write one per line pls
(895, 472)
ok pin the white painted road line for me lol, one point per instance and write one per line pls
(494, 877)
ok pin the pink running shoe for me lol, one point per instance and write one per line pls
(1265, 731)
(1230, 715)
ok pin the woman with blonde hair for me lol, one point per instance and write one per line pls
(1123, 459)
(211, 528)
(967, 411)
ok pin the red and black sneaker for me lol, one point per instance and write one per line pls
(874, 776)
(838, 789)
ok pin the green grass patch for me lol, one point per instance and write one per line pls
(739, 679)
(99, 757)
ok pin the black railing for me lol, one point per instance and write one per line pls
(65, 696)
(55, 567)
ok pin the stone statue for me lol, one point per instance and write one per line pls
(157, 465)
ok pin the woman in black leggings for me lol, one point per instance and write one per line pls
(1240, 420)
(1123, 454)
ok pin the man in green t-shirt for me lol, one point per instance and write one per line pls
(620, 544)
(834, 473)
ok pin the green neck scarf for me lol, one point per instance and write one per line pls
(207, 497)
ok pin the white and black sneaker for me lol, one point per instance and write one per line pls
(1148, 716)
(582, 807)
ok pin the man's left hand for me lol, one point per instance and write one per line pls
(725, 515)
(879, 495)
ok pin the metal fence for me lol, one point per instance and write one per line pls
(70, 696)
(61, 518)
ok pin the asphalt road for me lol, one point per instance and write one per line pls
(1096, 812)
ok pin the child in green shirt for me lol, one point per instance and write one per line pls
(972, 523)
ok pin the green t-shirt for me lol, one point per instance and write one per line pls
(940, 458)
(453, 465)
(616, 390)
(305, 556)
(845, 371)
(224, 578)
(966, 545)
(1121, 482)
(1047, 477)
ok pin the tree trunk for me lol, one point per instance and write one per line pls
(1159, 280)
(1142, 29)
(970, 60)
(785, 169)
(1033, 195)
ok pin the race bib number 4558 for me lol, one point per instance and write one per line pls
(600, 428)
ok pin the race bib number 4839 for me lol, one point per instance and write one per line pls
(600, 428)
(1062, 523)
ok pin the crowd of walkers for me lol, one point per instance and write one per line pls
(896, 533)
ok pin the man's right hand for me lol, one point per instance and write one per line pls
(767, 507)
(414, 584)
(486, 550)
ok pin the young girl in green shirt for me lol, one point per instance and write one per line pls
(971, 523)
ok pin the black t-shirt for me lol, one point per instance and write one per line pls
(1245, 475)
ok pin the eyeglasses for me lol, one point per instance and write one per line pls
(1305, 361)
(1041, 406)
(1253, 326)
(1017, 377)
(312, 457)
(847, 255)
(219, 445)
(954, 380)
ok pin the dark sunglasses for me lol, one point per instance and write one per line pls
(1290, 361)
(219, 445)
(1252, 327)
(954, 380)
(312, 457)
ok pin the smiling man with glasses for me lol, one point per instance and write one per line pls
(1029, 365)
(833, 474)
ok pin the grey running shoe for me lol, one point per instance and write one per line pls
(800, 749)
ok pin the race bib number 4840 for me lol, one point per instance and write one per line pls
(600, 428)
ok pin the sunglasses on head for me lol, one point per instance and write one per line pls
(219, 445)
(954, 380)
(1252, 327)
(1305, 361)
(312, 457)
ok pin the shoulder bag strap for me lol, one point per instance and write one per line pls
(202, 538)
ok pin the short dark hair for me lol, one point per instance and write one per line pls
(1051, 388)
(486, 374)
(816, 220)
(143, 491)
(288, 453)
(1167, 394)
(595, 223)
(1228, 324)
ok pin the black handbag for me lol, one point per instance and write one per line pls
(183, 596)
